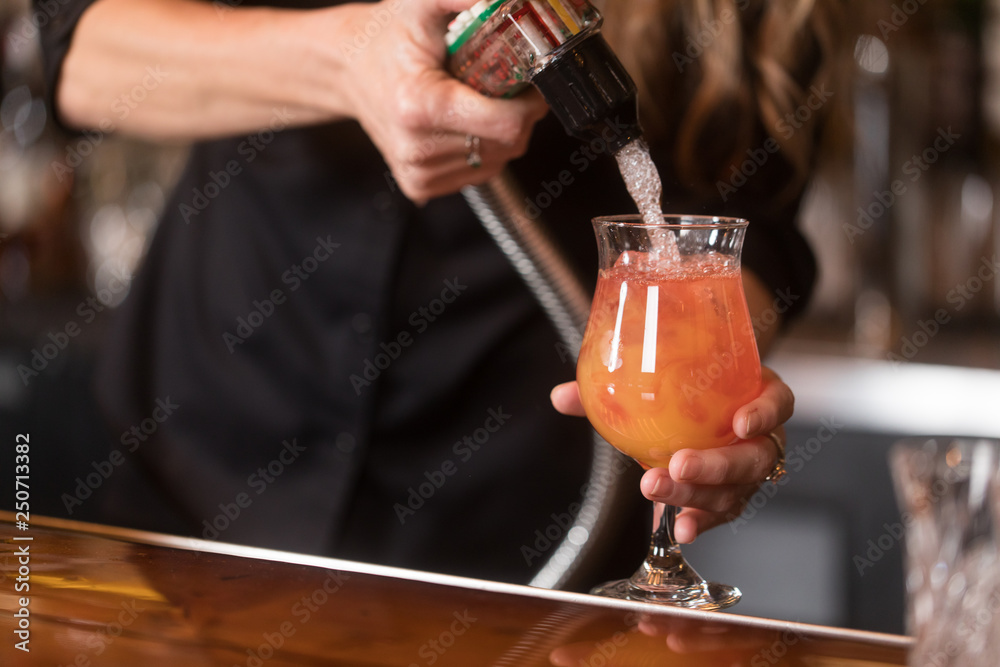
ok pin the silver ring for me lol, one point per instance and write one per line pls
(472, 156)
(778, 471)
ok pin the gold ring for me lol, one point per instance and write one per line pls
(778, 471)
(472, 156)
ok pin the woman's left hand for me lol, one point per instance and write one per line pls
(713, 485)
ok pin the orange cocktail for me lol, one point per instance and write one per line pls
(669, 355)
(667, 359)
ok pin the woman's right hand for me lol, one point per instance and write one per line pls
(415, 112)
(713, 485)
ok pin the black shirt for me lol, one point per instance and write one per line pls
(351, 375)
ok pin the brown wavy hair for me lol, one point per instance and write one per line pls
(713, 75)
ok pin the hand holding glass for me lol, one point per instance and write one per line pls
(667, 358)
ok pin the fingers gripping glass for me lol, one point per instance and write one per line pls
(667, 358)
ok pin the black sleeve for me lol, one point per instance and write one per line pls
(56, 34)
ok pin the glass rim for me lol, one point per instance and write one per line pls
(681, 221)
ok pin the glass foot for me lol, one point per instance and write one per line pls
(707, 596)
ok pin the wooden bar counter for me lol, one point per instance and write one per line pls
(107, 596)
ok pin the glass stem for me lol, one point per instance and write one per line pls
(664, 552)
(663, 526)
(665, 566)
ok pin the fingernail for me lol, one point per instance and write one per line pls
(692, 467)
(682, 533)
(663, 486)
(754, 424)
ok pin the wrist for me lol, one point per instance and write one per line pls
(320, 47)
(359, 54)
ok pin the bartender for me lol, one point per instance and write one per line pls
(354, 368)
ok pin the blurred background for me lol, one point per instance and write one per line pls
(902, 337)
(902, 213)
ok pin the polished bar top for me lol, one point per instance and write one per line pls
(106, 596)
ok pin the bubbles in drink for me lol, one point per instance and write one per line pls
(663, 247)
(642, 179)
(643, 182)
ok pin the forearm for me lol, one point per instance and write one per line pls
(179, 69)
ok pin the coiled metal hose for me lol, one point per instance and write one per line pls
(566, 303)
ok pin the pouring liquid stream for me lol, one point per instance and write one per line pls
(643, 182)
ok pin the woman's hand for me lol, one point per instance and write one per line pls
(713, 485)
(418, 115)
(205, 73)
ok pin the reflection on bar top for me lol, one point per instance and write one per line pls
(108, 596)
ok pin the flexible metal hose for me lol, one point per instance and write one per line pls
(567, 304)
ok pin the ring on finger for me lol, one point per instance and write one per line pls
(472, 156)
(778, 471)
